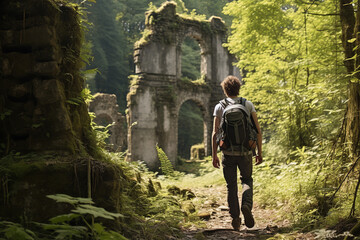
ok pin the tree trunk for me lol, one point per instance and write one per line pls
(353, 119)
(350, 27)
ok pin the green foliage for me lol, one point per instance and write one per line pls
(190, 59)
(146, 212)
(208, 8)
(165, 164)
(190, 128)
(5, 113)
(111, 50)
(154, 215)
(288, 52)
(100, 133)
(304, 187)
(63, 227)
(144, 38)
(288, 64)
(84, 211)
(14, 231)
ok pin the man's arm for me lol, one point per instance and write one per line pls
(259, 139)
(216, 162)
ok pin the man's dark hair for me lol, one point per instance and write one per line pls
(231, 85)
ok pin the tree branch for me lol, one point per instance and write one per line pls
(323, 14)
(351, 169)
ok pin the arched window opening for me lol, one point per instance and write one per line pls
(190, 59)
(190, 128)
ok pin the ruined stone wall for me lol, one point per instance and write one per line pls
(107, 112)
(41, 107)
(43, 113)
(157, 91)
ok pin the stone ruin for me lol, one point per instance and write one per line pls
(41, 106)
(45, 132)
(157, 91)
(107, 112)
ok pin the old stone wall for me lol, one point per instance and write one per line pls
(157, 91)
(46, 144)
(41, 106)
(107, 112)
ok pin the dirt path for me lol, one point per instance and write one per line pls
(218, 221)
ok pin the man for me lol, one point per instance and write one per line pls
(231, 160)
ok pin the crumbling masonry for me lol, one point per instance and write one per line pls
(41, 107)
(106, 110)
(157, 91)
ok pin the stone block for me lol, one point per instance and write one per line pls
(47, 91)
(18, 65)
(59, 118)
(29, 22)
(42, 140)
(20, 91)
(36, 37)
(48, 69)
(47, 54)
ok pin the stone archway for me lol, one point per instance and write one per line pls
(106, 111)
(157, 91)
(180, 126)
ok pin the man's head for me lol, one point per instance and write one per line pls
(231, 86)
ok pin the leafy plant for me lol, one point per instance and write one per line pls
(15, 231)
(84, 214)
(79, 224)
(165, 164)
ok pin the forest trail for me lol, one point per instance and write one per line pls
(218, 221)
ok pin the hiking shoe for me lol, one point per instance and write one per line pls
(249, 219)
(236, 223)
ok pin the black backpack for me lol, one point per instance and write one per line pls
(237, 129)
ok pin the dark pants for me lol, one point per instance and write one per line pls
(230, 166)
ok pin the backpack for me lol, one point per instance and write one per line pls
(237, 130)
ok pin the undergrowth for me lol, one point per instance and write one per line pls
(302, 185)
(145, 209)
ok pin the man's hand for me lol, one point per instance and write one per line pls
(258, 160)
(216, 162)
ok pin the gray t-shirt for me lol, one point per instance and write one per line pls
(218, 111)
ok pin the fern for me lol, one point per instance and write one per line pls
(165, 164)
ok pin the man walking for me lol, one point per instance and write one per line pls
(239, 158)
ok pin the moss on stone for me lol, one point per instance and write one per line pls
(146, 36)
(197, 152)
(164, 23)
(194, 85)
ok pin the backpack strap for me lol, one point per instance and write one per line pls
(242, 101)
(224, 103)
